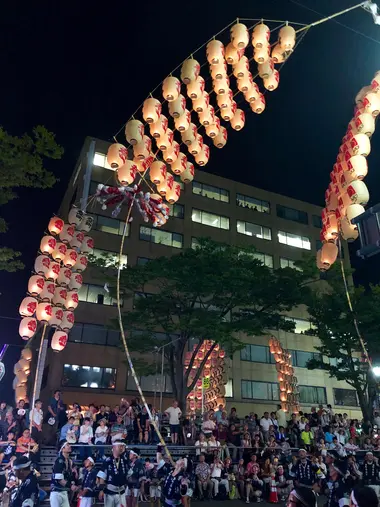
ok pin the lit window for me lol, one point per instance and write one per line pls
(289, 239)
(93, 377)
(101, 160)
(302, 326)
(96, 294)
(244, 201)
(161, 237)
(288, 263)
(110, 258)
(176, 210)
(252, 390)
(256, 230)
(210, 219)
(229, 389)
(311, 395)
(345, 397)
(211, 192)
(292, 214)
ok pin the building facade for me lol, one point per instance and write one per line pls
(92, 367)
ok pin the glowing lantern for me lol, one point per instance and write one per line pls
(252, 93)
(213, 130)
(42, 264)
(35, 285)
(158, 129)
(165, 142)
(134, 131)
(260, 36)
(192, 405)
(48, 291)
(365, 124)
(282, 386)
(221, 86)
(190, 71)
(353, 211)
(287, 37)
(201, 102)
(332, 228)
(261, 55)
(228, 112)
(245, 83)
(77, 240)
(215, 52)
(72, 300)
(59, 341)
(44, 312)
(87, 245)
(67, 233)
(53, 271)
(258, 105)
(182, 123)
(177, 107)
(271, 82)
(241, 69)
(358, 193)
(371, 103)
(224, 100)
(233, 55)
(199, 383)
(59, 252)
(60, 295)
(329, 253)
(189, 135)
(157, 172)
(206, 372)
(55, 225)
(171, 155)
(283, 396)
(142, 149)
(171, 88)
(143, 165)
(222, 353)
(70, 258)
(117, 154)
(67, 321)
(199, 405)
(20, 393)
(221, 139)
(28, 306)
(166, 185)
(239, 36)
(86, 223)
(196, 146)
(207, 116)
(173, 194)
(360, 145)
(203, 156)
(179, 165)
(265, 69)
(56, 317)
(238, 120)
(357, 165)
(81, 263)
(348, 231)
(188, 174)
(126, 174)
(64, 276)
(26, 354)
(151, 110)
(48, 244)
(219, 71)
(27, 328)
(278, 54)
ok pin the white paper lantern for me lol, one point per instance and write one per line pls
(134, 131)
(182, 123)
(126, 174)
(117, 154)
(196, 146)
(241, 68)
(67, 321)
(59, 341)
(221, 86)
(329, 253)
(266, 69)
(371, 103)
(278, 54)
(173, 194)
(166, 185)
(55, 225)
(179, 165)
(239, 36)
(358, 193)
(287, 37)
(190, 71)
(171, 88)
(188, 175)
(245, 83)
(188, 136)
(27, 328)
(238, 120)
(215, 52)
(365, 124)
(261, 55)
(151, 110)
(260, 35)
(44, 312)
(76, 281)
(86, 223)
(252, 93)
(228, 112)
(67, 233)
(196, 88)
(203, 156)
(143, 165)
(177, 107)
(271, 82)
(360, 145)
(77, 240)
(75, 216)
(201, 103)
(219, 71)
(232, 54)
(348, 231)
(53, 271)
(72, 300)
(59, 252)
(258, 105)
(81, 263)
(71, 258)
(60, 296)
(165, 141)
(157, 172)
(158, 129)
(36, 284)
(207, 116)
(87, 245)
(353, 211)
(213, 130)
(142, 149)
(48, 244)
(48, 291)
(64, 276)
(57, 317)
(171, 155)
(42, 264)
(358, 167)
(28, 307)
(221, 139)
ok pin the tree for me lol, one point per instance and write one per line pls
(22, 162)
(214, 292)
(336, 330)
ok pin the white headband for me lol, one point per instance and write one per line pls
(63, 446)
(353, 499)
(119, 443)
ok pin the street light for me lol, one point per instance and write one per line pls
(376, 371)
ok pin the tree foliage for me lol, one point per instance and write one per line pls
(22, 164)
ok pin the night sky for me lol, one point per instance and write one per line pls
(82, 70)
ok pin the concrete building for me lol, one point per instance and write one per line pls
(92, 366)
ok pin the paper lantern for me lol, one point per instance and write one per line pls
(329, 253)
(143, 165)
(165, 141)
(57, 316)
(126, 174)
(208, 115)
(59, 341)
(28, 306)
(365, 124)
(70, 258)
(64, 276)
(271, 82)
(215, 52)
(171, 88)
(261, 55)
(227, 113)
(53, 271)
(196, 88)
(158, 128)
(67, 233)
(60, 296)
(67, 321)
(219, 71)
(353, 211)
(188, 174)
(86, 223)
(151, 110)
(179, 165)
(166, 185)
(20, 393)
(59, 252)
(332, 227)
(42, 264)
(76, 281)
(241, 68)
(265, 69)
(81, 263)
(287, 37)
(44, 312)
(239, 36)
(77, 240)
(252, 93)
(157, 172)
(27, 354)
(213, 130)
(72, 300)
(134, 131)
(182, 123)
(260, 35)
(192, 405)
(233, 54)
(283, 396)
(357, 192)
(201, 102)
(371, 103)
(117, 154)
(203, 156)
(173, 194)
(171, 155)
(87, 245)
(258, 105)
(190, 70)
(47, 292)
(55, 225)
(196, 146)
(35, 285)
(375, 83)
(245, 83)
(189, 135)
(225, 100)
(221, 86)
(238, 120)
(348, 231)
(47, 244)
(142, 149)
(177, 107)
(278, 54)
(221, 139)
(360, 145)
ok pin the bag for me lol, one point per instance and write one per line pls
(51, 421)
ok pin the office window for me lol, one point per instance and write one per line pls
(292, 214)
(313, 395)
(110, 258)
(93, 334)
(142, 260)
(253, 390)
(176, 210)
(317, 221)
(288, 263)
(109, 225)
(256, 354)
(211, 192)
(266, 259)
(210, 219)
(289, 239)
(244, 201)
(95, 377)
(345, 397)
(300, 358)
(229, 389)
(100, 159)
(150, 383)
(96, 294)
(302, 326)
(256, 230)
(161, 237)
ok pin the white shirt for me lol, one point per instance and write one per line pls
(85, 434)
(36, 415)
(216, 471)
(174, 413)
(265, 423)
(101, 434)
(281, 418)
(200, 445)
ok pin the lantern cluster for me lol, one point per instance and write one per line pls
(347, 194)
(214, 369)
(21, 371)
(289, 394)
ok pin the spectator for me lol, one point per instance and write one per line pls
(118, 430)
(25, 444)
(233, 417)
(86, 435)
(203, 476)
(102, 414)
(218, 414)
(328, 436)
(77, 414)
(233, 440)
(66, 428)
(208, 426)
(222, 434)
(281, 417)
(302, 423)
(216, 476)
(10, 423)
(307, 437)
(174, 413)
(36, 418)
(3, 411)
(20, 415)
(350, 446)
(101, 432)
(224, 419)
(274, 420)
(113, 415)
(265, 423)
(201, 444)
(213, 446)
(55, 407)
(143, 425)
(251, 421)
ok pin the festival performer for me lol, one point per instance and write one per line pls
(303, 472)
(62, 478)
(7, 456)
(87, 492)
(136, 472)
(370, 470)
(113, 477)
(284, 485)
(171, 489)
(302, 497)
(338, 490)
(27, 494)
